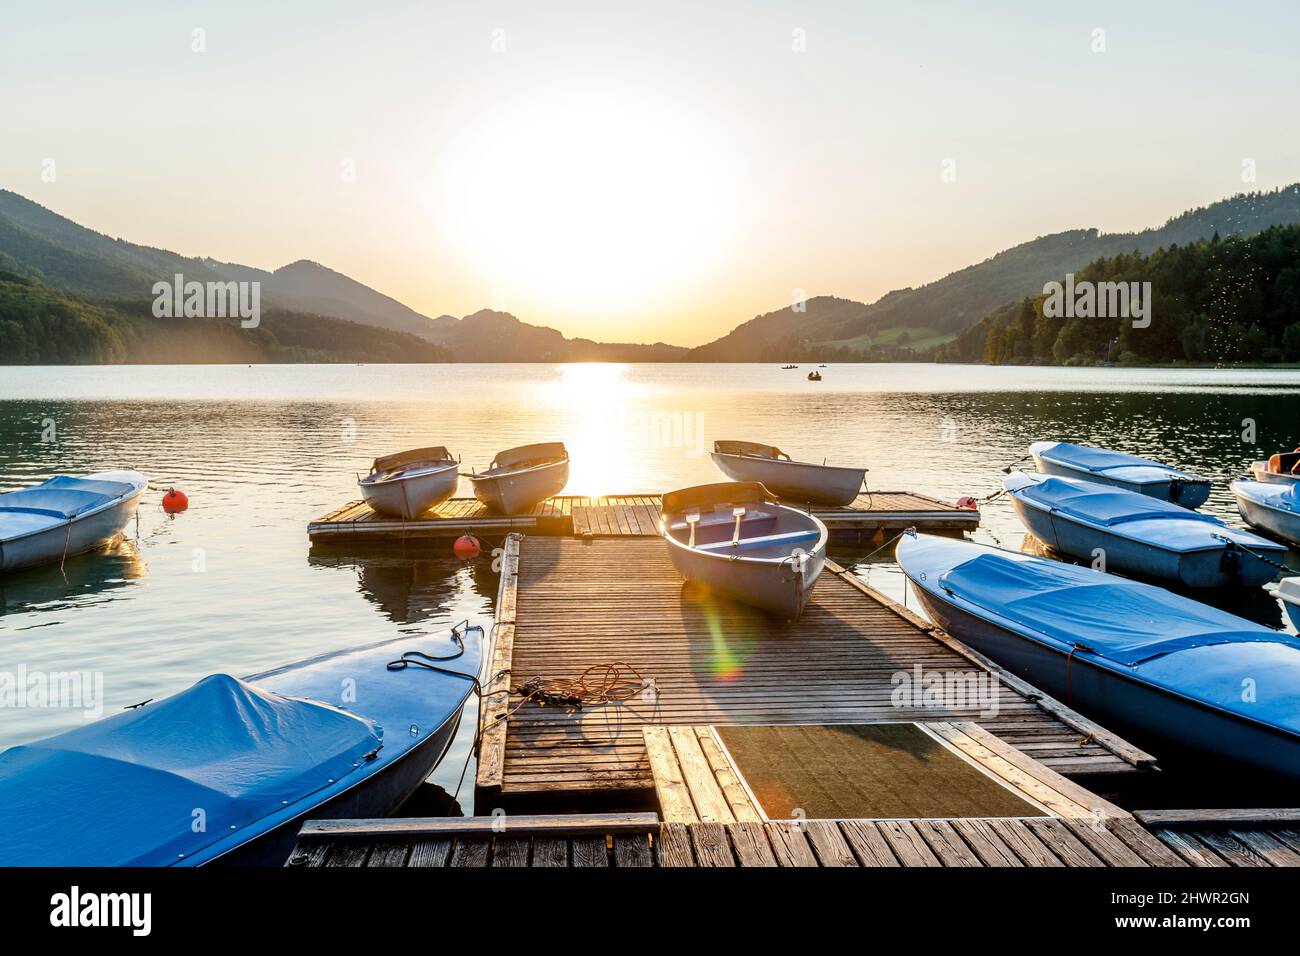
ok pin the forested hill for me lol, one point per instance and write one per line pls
(1222, 300)
(41, 325)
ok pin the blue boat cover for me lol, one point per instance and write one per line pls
(171, 777)
(63, 497)
(1281, 496)
(1123, 621)
(1105, 505)
(1098, 459)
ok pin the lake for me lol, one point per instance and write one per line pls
(232, 585)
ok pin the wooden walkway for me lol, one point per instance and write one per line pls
(566, 605)
(638, 840)
(624, 516)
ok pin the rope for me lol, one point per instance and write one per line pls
(599, 684)
(1238, 546)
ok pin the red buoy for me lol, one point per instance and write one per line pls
(174, 502)
(467, 547)
(969, 503)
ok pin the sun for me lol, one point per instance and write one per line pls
(593, 200)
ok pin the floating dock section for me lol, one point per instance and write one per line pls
(623, 516)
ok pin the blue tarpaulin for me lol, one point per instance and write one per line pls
(64, 497)
(1096, 459)
(1124, 621)
(171, 777)
(1105, 505)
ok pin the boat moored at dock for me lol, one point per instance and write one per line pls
(1282, 468)
(1163, 667)
(65, 516)
(409, 483)
(735, 538)
(519, 478)
(1139, 534)
(796, 481)
(1108, 467)
(1269, 506)
(229, 769)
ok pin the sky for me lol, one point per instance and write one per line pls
(638, 172)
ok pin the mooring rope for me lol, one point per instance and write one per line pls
(1238, 546)
(599, 684)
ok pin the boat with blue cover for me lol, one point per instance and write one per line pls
(1139, 534)
(1269, 506)
(1191, 679)
(64, 516)
(1108, 467)
(229, 769)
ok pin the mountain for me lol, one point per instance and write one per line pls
(42, 325)
(488, 336)
(1215, 301)
(65, 256)
(932, 313)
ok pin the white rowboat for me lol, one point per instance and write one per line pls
(800, 481)
(735, 538)
(409, 483)
(522, 477)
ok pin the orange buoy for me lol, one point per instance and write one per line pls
(174, 502)
(969, 503)
(467, 547)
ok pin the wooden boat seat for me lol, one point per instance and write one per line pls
(1285, 463)
(785, 537)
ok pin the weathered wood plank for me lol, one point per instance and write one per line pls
(674, 845)
(710, 803)
(868, 843)
(633, 850)
(712, 846)
(751, 844)
(789, 844)
(1192, 850)
(1280, 816)
(675, 804)
(407, 827)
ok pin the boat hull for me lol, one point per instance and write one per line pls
(1195, 569)
(82, 534)
(410, 496)
(1276, 521)
(771, 586)
(1180, 488)
(1161, 721)
(796, 481)
(1260, 472)
(514, 492)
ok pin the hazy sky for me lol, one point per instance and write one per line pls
(638, 176)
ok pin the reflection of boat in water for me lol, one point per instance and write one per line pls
(408, 587)
(87, 578)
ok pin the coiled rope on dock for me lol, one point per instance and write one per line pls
(599, 684)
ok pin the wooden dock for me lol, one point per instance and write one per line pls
(567, 604)
(640, 840)
(622, 516)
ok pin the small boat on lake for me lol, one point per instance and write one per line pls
(409, 483)
(1140, 534)
(229, 769)
(522, 477)
(1142, 660)
(797, 481)
(1287, 592)
(1108, 467)
(64, 516)
(1269, 506)
(814, 376)
(1282, 468)
(735, 538)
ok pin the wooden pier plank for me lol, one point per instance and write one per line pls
(578, 604)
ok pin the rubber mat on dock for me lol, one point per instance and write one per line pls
(849, 771)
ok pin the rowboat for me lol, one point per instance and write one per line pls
(1155, 665)
(65, 516)
(228, 769)
(1108, 467)
(800, 481)
(409, 483)
(1282, 468)
(1269, 506)
(1287, 592)
(733, 537)
(521, 477)
(1139, 534)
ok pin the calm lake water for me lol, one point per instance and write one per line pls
(232, 585)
